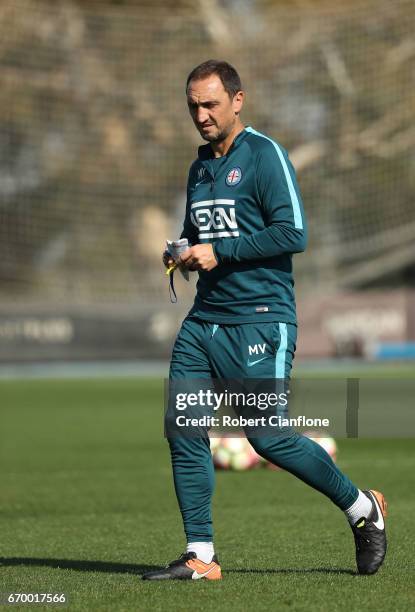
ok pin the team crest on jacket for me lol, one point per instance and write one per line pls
(234, 176)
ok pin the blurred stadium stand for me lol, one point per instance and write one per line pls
(95, 144)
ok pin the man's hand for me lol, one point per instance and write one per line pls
(167, 259)
(199, 257)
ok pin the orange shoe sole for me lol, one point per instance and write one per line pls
(381, 501)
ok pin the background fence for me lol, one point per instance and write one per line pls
(95, 145)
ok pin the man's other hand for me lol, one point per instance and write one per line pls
(167, 259)
(199, 257)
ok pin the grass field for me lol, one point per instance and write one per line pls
(87, 505)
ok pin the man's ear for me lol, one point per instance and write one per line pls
(238, 101)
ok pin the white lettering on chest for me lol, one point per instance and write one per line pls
(215, 218)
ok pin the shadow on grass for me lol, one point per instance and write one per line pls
(133, 568)
(106, 567)
(290, 570)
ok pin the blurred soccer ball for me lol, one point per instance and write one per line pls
(327, 442)
(233, 454)
(237, 454)
(321, 437)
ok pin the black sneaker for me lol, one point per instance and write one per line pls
(187, 567)
(370, 536)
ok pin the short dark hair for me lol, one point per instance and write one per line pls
(227, 74)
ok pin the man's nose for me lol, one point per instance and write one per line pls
(201, 115)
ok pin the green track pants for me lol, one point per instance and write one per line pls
(206, 350)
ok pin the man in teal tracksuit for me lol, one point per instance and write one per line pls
(245, 220)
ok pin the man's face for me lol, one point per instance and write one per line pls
(213, 112)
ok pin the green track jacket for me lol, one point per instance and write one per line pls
(248, 205)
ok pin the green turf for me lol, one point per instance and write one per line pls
(87, 504)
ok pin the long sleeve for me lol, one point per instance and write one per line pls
(281, 205)
(189, 230)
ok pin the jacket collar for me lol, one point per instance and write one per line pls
(205, 151)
